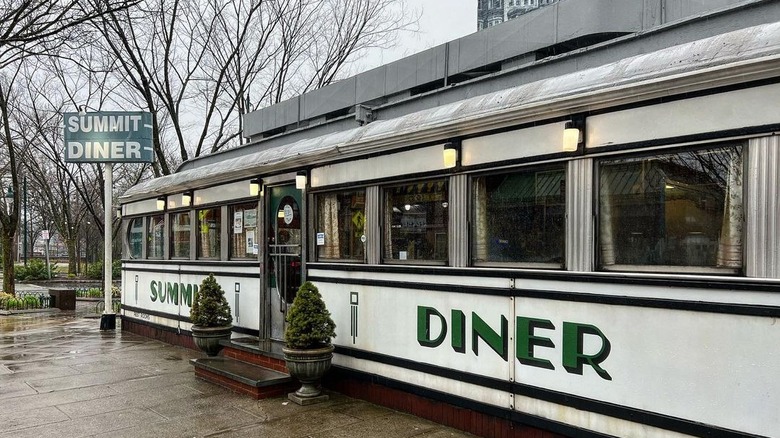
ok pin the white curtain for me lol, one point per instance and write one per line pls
(329, 221)
(730, 243)
(480, 221)
(606, 238)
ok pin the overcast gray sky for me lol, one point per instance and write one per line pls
(441, 21)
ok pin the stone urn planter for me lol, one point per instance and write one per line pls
(207, 338)
(308, 366)
(210, 316)
(309, 352)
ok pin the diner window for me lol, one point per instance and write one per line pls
(679, 210)
(416, 217)
(341, 220)
(520, 217)
(135, 238)
(243, 242)
(209, 227)
(180, 235)
(155, 236)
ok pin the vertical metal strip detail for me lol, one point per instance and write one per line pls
(762, 212)
(373, 218)
(459, 227)
(579, 215)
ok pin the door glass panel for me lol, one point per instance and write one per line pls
(284, 254)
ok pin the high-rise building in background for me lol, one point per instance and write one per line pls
(492, 12)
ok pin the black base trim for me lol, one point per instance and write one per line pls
(160, 327)
(172, 316)
(180, 318)
(671, 280)
(633, 415)
(614, 300)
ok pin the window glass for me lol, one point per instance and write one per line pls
(180, 235)
(135, 236)
(519, 217)
(209, 226)
(341, 219)
(416, 220)
(679, 209)
(155, 236)
(243, 236)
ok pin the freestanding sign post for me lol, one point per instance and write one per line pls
(108, 137)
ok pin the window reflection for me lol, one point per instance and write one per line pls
(180, 235)
(682, 209)
(519, 217)
(416, 221)
(135, 236)
(155, 237)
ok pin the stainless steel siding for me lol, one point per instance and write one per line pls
(373, 218)
(579, 215)
(459, 223)
(762, 240)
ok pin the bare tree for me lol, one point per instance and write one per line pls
(197, 66)
(28, 29)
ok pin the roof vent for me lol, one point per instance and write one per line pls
(363, 115)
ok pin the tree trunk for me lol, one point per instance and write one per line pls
(8, 263)
(72, 258)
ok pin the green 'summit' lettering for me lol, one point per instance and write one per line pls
(172, 293)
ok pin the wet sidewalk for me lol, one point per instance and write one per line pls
(61, 376)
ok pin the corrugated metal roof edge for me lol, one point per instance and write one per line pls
(749, 54)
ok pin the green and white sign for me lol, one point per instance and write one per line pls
(109, 137)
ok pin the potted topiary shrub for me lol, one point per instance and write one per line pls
(210, 316)
(308, 352)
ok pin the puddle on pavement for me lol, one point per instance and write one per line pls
(19, 356)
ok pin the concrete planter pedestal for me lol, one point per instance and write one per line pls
(308, 366)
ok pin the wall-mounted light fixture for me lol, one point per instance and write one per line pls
(300, 180)
(186, 199)
(256, 187)
(572, 134)
(161, 203)
(451, 154)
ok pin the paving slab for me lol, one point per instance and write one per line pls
(61, 376)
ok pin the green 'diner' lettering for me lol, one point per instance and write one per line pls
(573, 358)
(172, 292)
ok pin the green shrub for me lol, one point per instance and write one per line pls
(210, 308)
(20, 272)
(95, 270)
(35, 270)
(308, 320)
(4, 298)
(31, 301)
(10, 302)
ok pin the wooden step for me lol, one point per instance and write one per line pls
(243, 377)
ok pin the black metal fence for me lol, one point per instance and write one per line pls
(95, 292)
(115, 305)
(25, 301)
